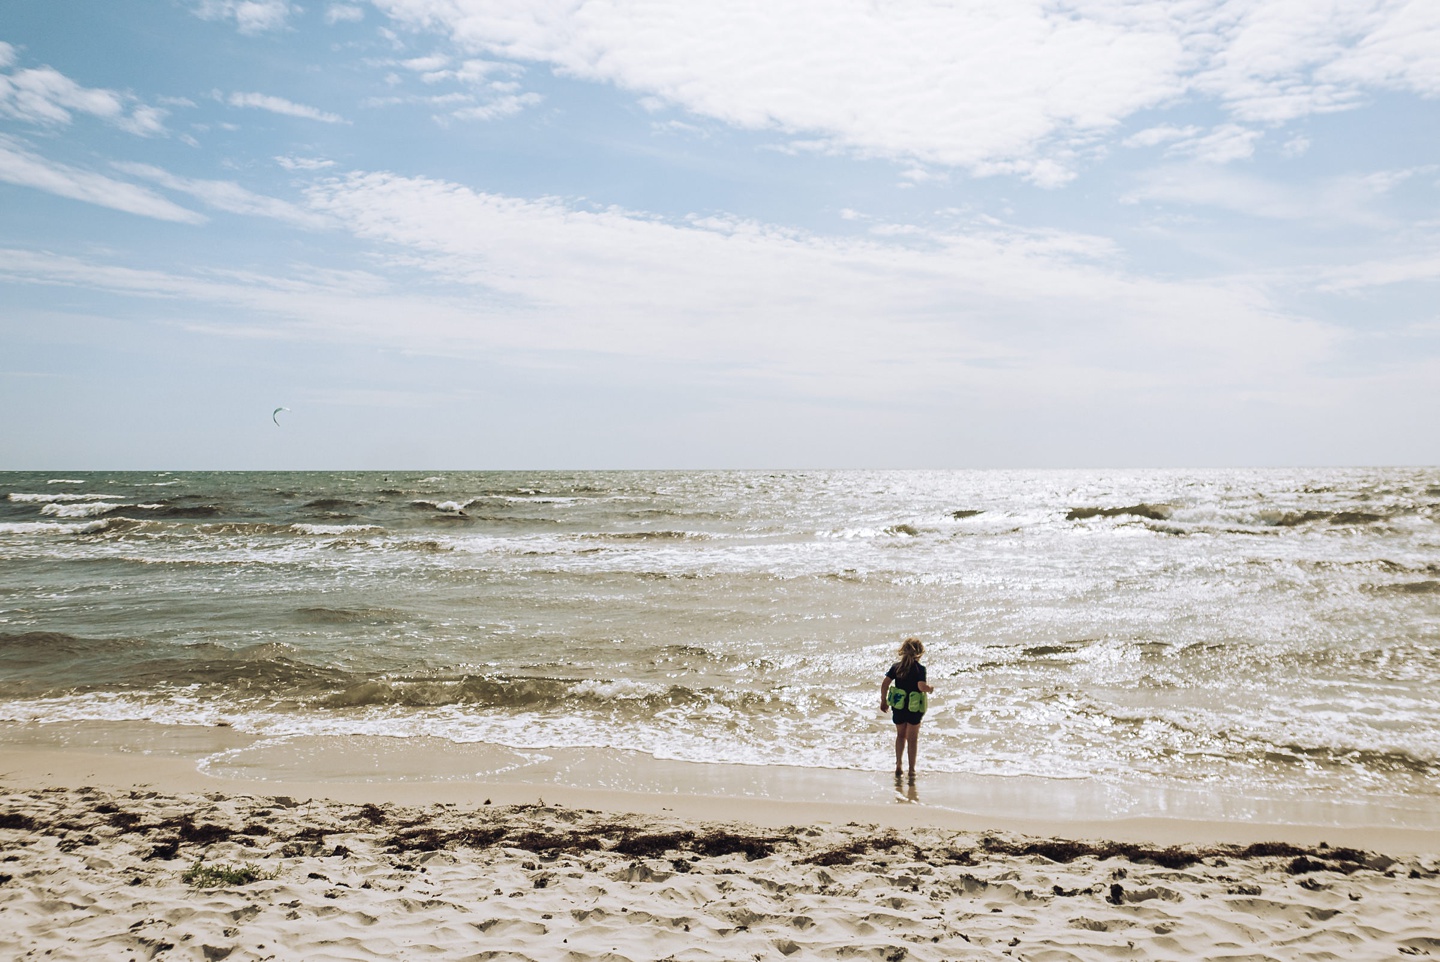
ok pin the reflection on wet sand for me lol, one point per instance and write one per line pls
(905, 789)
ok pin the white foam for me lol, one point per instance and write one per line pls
(449, 507)
(849, 534)
(52, 527)
(334, 528)
(64, 481)
(49, 498)
(88, 509)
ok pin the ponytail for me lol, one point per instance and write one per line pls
(910, 651)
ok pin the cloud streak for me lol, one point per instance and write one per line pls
(45, 96)
(25, 168)
(228, 196)
(1335, 201)
(286, 108)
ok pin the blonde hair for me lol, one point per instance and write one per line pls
(910, 651)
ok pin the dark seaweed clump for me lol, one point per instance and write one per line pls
(1344, 860)
(422, 832)
(847, 854)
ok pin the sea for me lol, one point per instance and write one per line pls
(1254, 633)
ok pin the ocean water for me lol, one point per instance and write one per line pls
(1255, 632)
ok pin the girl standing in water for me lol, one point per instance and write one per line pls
(903, 692)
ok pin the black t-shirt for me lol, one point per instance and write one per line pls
(913, 677)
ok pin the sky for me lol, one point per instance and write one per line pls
(522, 234)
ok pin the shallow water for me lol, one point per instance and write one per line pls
(1248, 632)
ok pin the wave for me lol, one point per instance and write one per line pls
(646, 536)
(1152, 512)
(44, 646)
(1406, 588)
(52, 527)
(903, 531)
(244, 527)
(335, 504)
(335, 529)
(64, 481)
(322, 615)
(84, 509)
(542, 694)
(539, 499)
(187, 510)
(1387, 760)
(451, 508)
(41, 662)
(24, 498)
(1293, 519)
(93, 509)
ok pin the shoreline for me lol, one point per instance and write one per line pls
(174, 759)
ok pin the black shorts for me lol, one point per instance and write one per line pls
(902, 717)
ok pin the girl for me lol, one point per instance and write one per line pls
(907, 702)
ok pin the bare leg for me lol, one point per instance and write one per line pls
(912, 738)
(900, 746)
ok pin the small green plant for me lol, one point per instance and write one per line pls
(203, 876)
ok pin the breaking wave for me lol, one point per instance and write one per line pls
(24, 498)
(1152, 512)
(51, 527)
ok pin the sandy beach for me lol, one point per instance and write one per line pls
(133, 856)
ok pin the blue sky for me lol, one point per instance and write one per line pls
(570, 233)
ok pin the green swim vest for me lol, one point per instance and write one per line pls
(908, 700)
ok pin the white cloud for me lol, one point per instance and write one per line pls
(250, 16)
(304, 163)
(426, 64)
(27, 169)
(482, 97)
(1295, 147)
(991, 86)
(498, 108)
(1160, 134)
(44, 95)
(145, 121)
(343, 13)
(939, 83)
(7, 54)
(1222, 145)
(1401, 270)
(1401, 52)
(279, 105)
(833, 315)
(1344, 200)
(1287, 58)
(228, 196)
